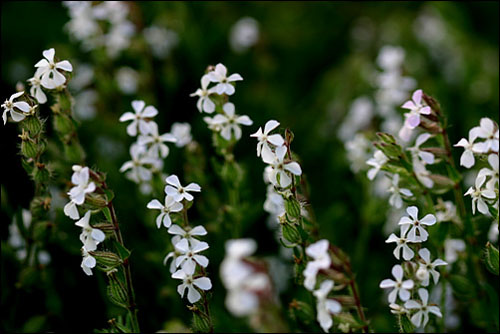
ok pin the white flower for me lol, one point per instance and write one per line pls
(174, 254)
(274, 203)
(177, 191)
(326, 307)
(492, 173)
(181, 132)
(127, 80)
(425, 256)
(188, 233)
(90, 237)
(219, 75)
(244, 298)
(36, 90)
(47, 71)
(357, 152)
(417, 153)
(423, 175)
(139, 118)
(493, 232)
(189, 255)
(170, 206)
(467, 158)
(157, 148)
(487, 131)
(204, 102)
(417, 232)
(479, 195)
(88, 262)
(451, 249)
(160, 40)
(319, 252)
(397, 309)
(9, 106)
(395, 200)
(138, 171)
(211, 125)
(447, 212)
(401, 243)
(399, 286)
(230, 123)
(244, 34)
(80, 179)
(421, 317)
(379, 159)
(280, 167)
(188, 282)
(264, 138)
(82, 25)
(390, 58)
(233, 271)
(416, 109)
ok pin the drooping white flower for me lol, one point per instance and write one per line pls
(80, 179)
(138, 171)
(395, 200)
(187, 234)
(10, 106)
(138, 118)
(416, 109)
(188, 282)
(487, 131)
(189, 255)
(280, 167)
(401, 243)
(90, 237)
(321, 260)
(165, 209)
(479, 196)
(230, 123)
(88, 262)
(219, 75)
(204, 102)
(491, 173)
(425, 256)
(399, 286)
(181, 132)
(36, 89)
(265, 138)
(377, 162)
(326, 307)
(421, 317)
(417, 153)
(451, 249)
(423, 175)
(172, 255)
(417, 232)
(47, 70)
(177, 191)
(157, 148)
(467, 158)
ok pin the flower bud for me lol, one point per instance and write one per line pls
(63, 124)
(96, 200)
(28, 148)
(40, 173)
(292, 207)
(422, 274)
(33, 125)
(491, 258)
(108, 260)
(290, 233)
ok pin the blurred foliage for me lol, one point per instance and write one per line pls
(311, 61)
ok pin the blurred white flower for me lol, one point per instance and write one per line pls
(160, 40)
(9, 106)
(85, 104)
(359, 116)
(137, 166)
(165, 209)
(493, 232)
(390, 57)
(451, 249)
(230, 123)
(399, 287)
(421, 317)
(177, 191)
(377, 162)
(326, 307)
(395, 199)
(244, 34)
(127, 79)
(47, 70)
(182, 132)
(417, 232)
(321, 260)
(416, 109)
(219, 75)
(139, 118)
(357, 151)
(486, 130)
(425, 157)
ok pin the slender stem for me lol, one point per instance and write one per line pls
(185, 219)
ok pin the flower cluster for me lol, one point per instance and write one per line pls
(418, 268)
(247, 283)
(90, 237)
(482, 142)
(87, 22)
(186, 255)
(215, 99)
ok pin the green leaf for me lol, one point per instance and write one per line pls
(462, 286)
(107, 214)
(491, 258)
(109, 194)
(123, 252)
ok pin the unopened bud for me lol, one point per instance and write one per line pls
(292, 207)
(422, 274)
(290, 233)
(107, 259)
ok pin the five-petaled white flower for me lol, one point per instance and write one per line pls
(157, 148)
(423, 175)
(417, 232)
(401, 244)
(280, 167)
(416, 109)
(399, 286)
(395, 200)
(181, 132)
(492, 173)
(326, 307)
(170, 206)
(417, 153)
(47, 70)
(421, 317)
(80, 179)
(137, 164)
(189, 255)
(229, 122)
(36, 89)
(88, 262)
(188, 282)
(139, 118)
(265, 138)
(188, 233)
(204, 102)
(172, 255)
(319, 252)
(9, 106)
(90, 237)
(377, 162)
(219, 75)
(478, 196)
(425, 255)
(467, 158)
(487, 131)
(177, 191)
